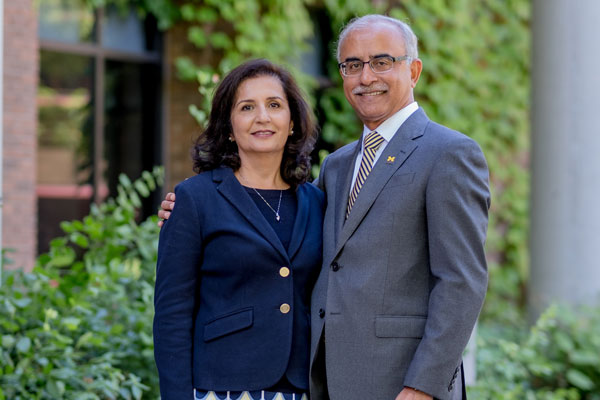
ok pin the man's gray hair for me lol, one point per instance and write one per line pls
(368, 21)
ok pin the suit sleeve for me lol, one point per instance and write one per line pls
(320, 181)
(457, 202)
(179, 258)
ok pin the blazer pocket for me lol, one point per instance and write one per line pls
(229, 323)
(400, 326)
(401, 179)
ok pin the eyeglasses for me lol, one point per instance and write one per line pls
(378, 65)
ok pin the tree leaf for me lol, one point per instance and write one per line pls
(80, 240)
(207, 15)
(141, 187)
(124, 181)
(23, 345)
(71, 323)
(197, 36)
(579, 379)
(8, 341)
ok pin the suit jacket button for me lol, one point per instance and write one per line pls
(335, 266)
(284, 308)
(321, 313)
(284, 272)
(450, 388)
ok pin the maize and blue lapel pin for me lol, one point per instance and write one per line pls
(390, 160)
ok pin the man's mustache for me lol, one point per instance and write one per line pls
(376, 87)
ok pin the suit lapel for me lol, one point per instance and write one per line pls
(301, 221)
(399, 149)
(342, 189)
(230, 188)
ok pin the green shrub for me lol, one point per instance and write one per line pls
(79, 326)
(558, 359)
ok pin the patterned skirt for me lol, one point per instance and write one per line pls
(249, 395)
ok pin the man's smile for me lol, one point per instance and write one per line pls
(372, 93)
(375, 89)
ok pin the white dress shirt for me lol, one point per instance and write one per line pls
(387, 130)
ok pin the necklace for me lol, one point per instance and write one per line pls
(277, 217)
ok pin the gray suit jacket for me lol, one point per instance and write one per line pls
(405, 276)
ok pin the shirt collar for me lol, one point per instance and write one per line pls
(390, 126)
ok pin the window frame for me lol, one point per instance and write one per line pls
(100, 54)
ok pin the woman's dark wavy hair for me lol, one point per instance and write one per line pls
(213, 149)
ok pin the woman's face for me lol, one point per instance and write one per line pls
(260, 117)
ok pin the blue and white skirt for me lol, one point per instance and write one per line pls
(249, 395)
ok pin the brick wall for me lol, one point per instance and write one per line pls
(19, 212)
(181, 128)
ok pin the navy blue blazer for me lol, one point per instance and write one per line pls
(218, 322)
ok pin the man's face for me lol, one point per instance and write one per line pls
(377, 96)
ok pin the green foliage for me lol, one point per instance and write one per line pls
(475, 80)
(207, 83)
(557, 360)
(165, 11)
(239, 30)
(79, 326)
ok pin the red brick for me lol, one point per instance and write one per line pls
(19, 212)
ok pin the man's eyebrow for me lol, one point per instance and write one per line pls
(370, 58)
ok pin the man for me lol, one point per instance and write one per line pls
(404, 272)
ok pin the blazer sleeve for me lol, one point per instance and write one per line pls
(179, 258)
(457, 202)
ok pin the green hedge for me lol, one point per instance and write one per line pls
(80, 325)
(557, 359)
(85, 332)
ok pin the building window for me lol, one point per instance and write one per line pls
(99, 107)
(67, 21)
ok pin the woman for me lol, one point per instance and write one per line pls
(239, 255)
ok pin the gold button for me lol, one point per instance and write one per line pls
(284, 308)
(284, 271)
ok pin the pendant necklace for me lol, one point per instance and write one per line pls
(267, 203)
(277, 217)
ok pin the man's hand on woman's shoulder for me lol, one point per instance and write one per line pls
(166, 206)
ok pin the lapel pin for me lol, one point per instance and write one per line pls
(390, 159)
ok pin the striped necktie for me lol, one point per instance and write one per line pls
(372, 142)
